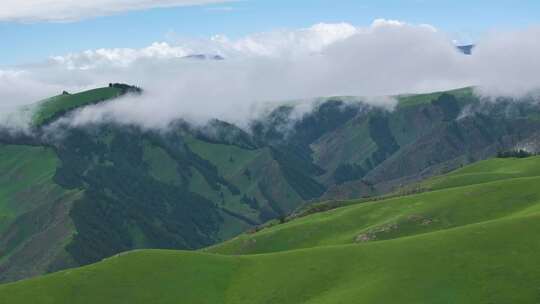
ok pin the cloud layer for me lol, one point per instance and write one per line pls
(69, 10)
(262, 70)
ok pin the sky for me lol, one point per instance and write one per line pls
(46, 28)
(274, 51)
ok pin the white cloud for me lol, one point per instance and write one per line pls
(287, 43)
(70, 10)
(509, 62)
(271, 44)
(385, 58)
(17, 86)
(120, 57)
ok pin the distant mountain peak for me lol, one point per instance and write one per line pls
(205, 57)
(466, 49)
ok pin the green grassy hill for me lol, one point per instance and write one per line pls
(474, 202)
(474, 243)
(52, 108)
(34, 221)
(418, 99)
(107, 188)
(487, 171)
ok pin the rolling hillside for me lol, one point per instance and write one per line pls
(455, 200)
(53, 108)
(34, 213)
(457, 243)
(88, 193)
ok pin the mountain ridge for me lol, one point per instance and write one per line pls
(189, 188)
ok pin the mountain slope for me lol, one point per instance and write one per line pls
(53, 108)
(462, 244)
(486, 171)
(34, 225)
(124, 187)
(450, 206)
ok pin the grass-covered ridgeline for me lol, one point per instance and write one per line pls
(468, 241)
(54, 107)
(487, 171)
(477, 201)
(417, 99)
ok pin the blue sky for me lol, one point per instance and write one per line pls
(33, 41)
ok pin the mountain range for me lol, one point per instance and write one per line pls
(91, 192)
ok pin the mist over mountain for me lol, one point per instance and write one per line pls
(105, 187)
(229, 152)
(262, 70)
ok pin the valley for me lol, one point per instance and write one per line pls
(269, 152)
(336, 195)
(415, 247)
(98, 190)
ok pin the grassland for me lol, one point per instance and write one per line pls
(417, 99)
(34, 221)
(51, 108)
(473, 239)
(26, 178)
(247, 170)
(487, 171)
(445, 208)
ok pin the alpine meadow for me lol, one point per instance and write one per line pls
(232, 152)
